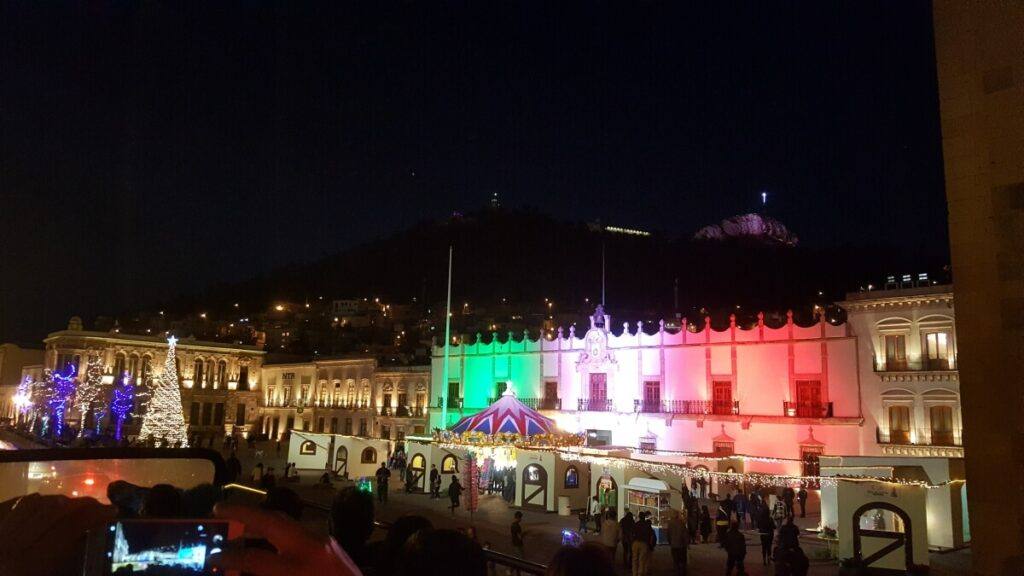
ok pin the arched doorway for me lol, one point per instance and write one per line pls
(341, 461)
(535, 487)
(418, 466)
(900, 533)
(608, 492)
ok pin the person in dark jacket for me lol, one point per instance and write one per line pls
(766, 530)
(693, 520)
(643, 543)
(627, 530)
(721, 525)
(435, 482)
(454, 493)
(787, 499)
(735, 548)
(789, 534)
(801, 497)
(705, 525)
(791, 561)
(234, 467)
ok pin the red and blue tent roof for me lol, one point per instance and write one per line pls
(506, 416)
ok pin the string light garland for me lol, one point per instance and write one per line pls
(164, 419)
(121, 406)
(60, 389)
(88, 390)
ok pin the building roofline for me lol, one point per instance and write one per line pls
(158, 340)
(918, 295)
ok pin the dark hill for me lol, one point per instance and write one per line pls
(525, 257)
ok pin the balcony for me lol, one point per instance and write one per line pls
(952, 438)
(807, 409)
(692, 407)
(537, 403)
(403, 411)
(925, 365)
(595, 405)
(455, 403)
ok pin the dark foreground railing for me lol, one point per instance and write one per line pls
(510, 564)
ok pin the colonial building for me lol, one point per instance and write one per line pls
(220, 382)
(786, 393)
(907, 356)
(345, 396)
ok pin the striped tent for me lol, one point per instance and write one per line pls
(506, 416)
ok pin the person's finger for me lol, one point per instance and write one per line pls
(285, 534)
(253, 561)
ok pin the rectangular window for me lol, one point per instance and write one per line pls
(193, 414)
(320, 424)
(811, 457)
(453, 392)
(218, 414)
(724, 448)
(207, 413)
(937, 350)
(240, 414)
(652, 396)
(808, 399)
(895, 352)
(550, 390)
(362, 427)
(942, 425)
(348, 427)
(385, 432)
(722, 397)
(899, 424)
(334, 425)
(243, 377)
(290, 423)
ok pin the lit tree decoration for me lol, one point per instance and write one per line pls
(89, 389)
(124, 401)
(60, 391)
(23, 397)
(164, 419)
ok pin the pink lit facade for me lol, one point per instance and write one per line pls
(790, 392)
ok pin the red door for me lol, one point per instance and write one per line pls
(808, 399)
(598, 391)
(722, 398)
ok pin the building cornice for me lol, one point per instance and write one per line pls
(908, 298)
(155, 341)
(922, 376)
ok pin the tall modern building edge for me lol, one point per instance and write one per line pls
(980, 66)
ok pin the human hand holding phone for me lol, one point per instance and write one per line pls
(298, 550)
(45, 534)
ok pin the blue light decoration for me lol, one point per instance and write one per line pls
(121, 405)
(60, 394)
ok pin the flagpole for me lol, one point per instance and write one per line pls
(447, 343)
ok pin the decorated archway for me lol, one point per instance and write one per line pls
(341, 461)
(535, 487)
(899, 539)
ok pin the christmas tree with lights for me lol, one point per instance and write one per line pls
(164, 420)
(89, 389)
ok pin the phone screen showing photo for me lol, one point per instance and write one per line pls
(163, 547)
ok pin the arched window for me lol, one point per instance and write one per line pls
(222, 373)
(197, 373)
(418, 462)
(133, 367)
(369, 456)
(307, 448)
(572, 477)
(120, 365)
(449, 464)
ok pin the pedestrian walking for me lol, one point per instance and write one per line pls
(435, 482)
(787, 499)
(735, 549)
(705, 525)
(801, 497)
(454, 492)
(791, 561)
(789, 534)
(610, 533)
(257, 474)
(721, 525)
(383, 476)
(642, 537)
(234, 467)
(740, 503)
(517, 534)
(678, 540)
(766, 530)
(596, 513)
(627, 530)
(693, 520)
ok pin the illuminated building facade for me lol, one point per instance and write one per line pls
(786, 392)
(220, 383)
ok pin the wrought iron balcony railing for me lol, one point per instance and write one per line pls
(698, 407)
(452, 402)
(537, 403)
(807, 409)
(922, 437)
(595, 405)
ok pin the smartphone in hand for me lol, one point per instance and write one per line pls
(166, 547)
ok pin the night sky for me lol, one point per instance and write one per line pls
(152, 148)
